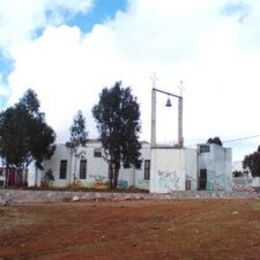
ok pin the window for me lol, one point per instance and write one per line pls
(63, 169)
(98, 152)
(83, 169)
(204, 148)
(147, 169)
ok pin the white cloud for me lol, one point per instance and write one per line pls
(215, 55)
(19, 18)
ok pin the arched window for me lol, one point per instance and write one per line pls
(83, 169)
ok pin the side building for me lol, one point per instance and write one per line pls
(215, 167)
(207, 167)
(88, 168)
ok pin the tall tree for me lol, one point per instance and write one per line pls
(78, 137)
(24, 134)
(78, 133)
(118, 120)
(252, 162)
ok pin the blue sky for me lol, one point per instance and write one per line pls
(102, 11)
(213, 46)
(241, 9)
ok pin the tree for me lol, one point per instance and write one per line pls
(24, 134)
(215, 140)
(78, 133)
(118, 121)
(237, 174)
(78, 137)
(252, 162)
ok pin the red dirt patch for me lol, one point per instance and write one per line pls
(186, 229)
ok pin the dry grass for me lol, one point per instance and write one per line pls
(188, 229)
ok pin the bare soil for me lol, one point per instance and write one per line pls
(177, 229)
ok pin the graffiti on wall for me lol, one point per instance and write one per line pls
(97, 182)
(168, 180)
(218, 181)
(122, 184)
(189, 182)
(143, 183)
(101, 182)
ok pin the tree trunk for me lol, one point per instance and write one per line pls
(7, 175)
(113, 176)
(36, 177)
(116, 173)
(110, 175)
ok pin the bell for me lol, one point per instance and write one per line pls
(168, 103)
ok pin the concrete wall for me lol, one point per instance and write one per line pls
(97, 168)
(139, 181)
(173, 170)
(256, 182)
(218, 163)
(34, 176)
(27, 196)
(61, 153)
(247, 181)
(191, 169)
(167, 170)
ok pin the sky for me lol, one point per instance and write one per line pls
(68, 51)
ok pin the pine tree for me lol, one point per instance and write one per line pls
(78, 133)
(118, 121)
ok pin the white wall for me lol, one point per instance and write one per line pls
(61, 153)
(256, 182)
(171, 169)
(97, 168)
(167, 170)
(228, 169)
(139, 181)
(191, 167)
(33, 176)
(218, 163)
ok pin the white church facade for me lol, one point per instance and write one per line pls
(88, 168)
(163, 170)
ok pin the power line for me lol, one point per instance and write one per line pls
(234, 140)
(241, 139)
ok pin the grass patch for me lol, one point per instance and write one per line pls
(11, 217)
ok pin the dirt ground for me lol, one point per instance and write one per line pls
(178, 229)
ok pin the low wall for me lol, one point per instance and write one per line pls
(26, 196)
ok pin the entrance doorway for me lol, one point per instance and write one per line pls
(203, 179)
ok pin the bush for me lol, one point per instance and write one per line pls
(48, 178)
(238, 174)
